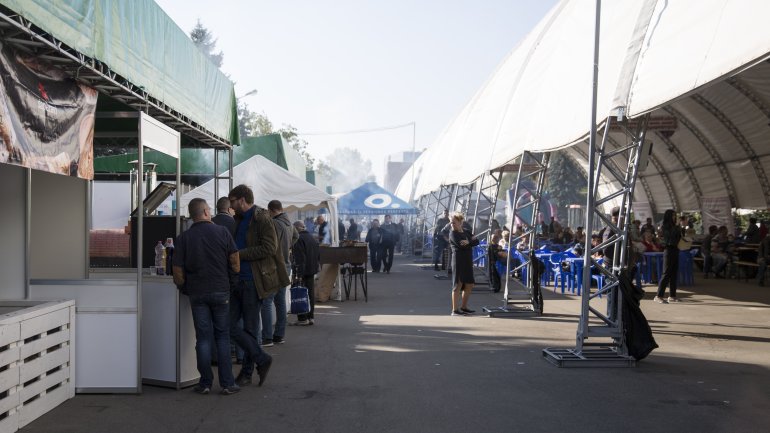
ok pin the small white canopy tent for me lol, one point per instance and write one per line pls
(702, 66)
(270, 182)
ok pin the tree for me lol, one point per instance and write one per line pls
(205, 41)
(252, 124)
(566, 184)
(289, 133)
(346, 169)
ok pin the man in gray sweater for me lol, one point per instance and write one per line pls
(287, 235)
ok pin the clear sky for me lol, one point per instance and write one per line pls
(342, 65)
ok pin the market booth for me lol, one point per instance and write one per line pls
(78, 80)
(271, 182)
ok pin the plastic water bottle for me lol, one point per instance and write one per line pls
(169, 254)
(160, 252)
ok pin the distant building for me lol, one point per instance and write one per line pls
(396, 166)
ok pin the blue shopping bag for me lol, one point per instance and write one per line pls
(300, 301)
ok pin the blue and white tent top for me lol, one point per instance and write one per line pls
(372, 199)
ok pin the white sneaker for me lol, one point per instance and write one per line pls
(673, 300)
(660, 300)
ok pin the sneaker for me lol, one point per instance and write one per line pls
(459, 313)
(263, 369)
(671, 300)
(310, 321)
(467, 310)
(300, 323)
(278, 340)
(242, 380)
(267, 343)
(660, 300)
(230, 390)
(200, 389)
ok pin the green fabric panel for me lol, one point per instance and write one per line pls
(140, 42)
(198, 161)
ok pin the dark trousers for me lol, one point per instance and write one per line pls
(439, 245)
(387, 256)
(494, 277)
(670, 275)
(375, 256)
(211, 318)
(244, 303)
(309, 282)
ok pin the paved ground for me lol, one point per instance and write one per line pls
(400, 363)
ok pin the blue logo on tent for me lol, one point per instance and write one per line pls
(371, 199)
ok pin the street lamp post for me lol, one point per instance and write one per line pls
(249, 93)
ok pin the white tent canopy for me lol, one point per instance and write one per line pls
(699, 65)
(269, 182)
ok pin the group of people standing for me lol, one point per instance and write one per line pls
(382, 240)
(235, 269)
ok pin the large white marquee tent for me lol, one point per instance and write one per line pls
(699, 67)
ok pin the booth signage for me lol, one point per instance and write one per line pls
(46, 118)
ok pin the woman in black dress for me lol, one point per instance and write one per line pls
(462, 242)
(671, 235)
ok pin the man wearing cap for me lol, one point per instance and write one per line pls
(306, 255)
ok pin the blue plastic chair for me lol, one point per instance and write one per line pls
(599, 278)
(685, 268)
(560, 275)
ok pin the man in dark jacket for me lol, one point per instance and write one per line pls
(763, 259)
(306, 255)
(263, 272)
(204, 256)
(390, 238)
(353, 233)
(374, 239)
(223, 217)
(340, 230)
(287, 236)
(440, 240)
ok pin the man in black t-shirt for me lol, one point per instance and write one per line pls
(204, 261)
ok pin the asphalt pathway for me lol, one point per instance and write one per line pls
(401, 363)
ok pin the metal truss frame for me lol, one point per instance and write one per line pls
(488, 189)
(594, 325)
(434, 204)
(536, 166)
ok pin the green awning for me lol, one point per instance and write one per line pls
(137, 40)
(199, 161)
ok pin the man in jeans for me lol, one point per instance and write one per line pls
(287, 236)
(204, 257)
(262, 273)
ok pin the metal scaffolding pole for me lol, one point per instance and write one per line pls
(600, 339)
(530, 168)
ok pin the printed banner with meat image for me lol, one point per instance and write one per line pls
(46, 117)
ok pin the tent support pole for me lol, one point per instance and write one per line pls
(536, 170)
(607, 347)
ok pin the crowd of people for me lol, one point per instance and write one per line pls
(382, 240)
(671, 236)
(235, 268)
